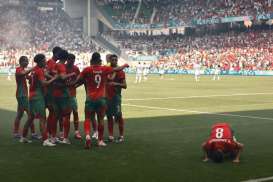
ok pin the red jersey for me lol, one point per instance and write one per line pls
(51, 66)
(57, 91)
(221, 137)
(36, 88)
(76, 70)
(21, 83)
(95, 78)
(221, 131)
(111, 91)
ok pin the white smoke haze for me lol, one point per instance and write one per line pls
(15, 27)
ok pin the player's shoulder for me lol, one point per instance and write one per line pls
(18, 69)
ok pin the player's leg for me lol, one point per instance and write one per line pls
(119, 118)
(95, 127)
(101, 110)
(89, 113)
(65, 113)
(27, 125)
(74, 107)
(17, 120)
(110, 119)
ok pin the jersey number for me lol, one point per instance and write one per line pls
(219, 133)
(98, 80)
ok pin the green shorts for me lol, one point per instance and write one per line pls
(73, 103)
(95, 105)
(37, 107)
(49, 101)
(22, 103)
(63, 105)
(114, 106)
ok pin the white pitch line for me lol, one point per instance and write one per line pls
(198, 112)
(198, 96)
(260, 179)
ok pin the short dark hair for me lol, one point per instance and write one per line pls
(56, 50)
(95, 58)
(113, 56)
(217, 156)
(38, 58)
(71, 56)
(63, 55)
(22, 59)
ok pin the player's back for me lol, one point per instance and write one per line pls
(21, 84)
(95, 78)
(221, 131)
(36, 89)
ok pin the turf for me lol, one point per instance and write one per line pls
(163, 136)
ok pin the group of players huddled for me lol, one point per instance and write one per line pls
(52, 86)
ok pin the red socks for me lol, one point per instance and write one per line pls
(87, 126)
(66, 125)
(101, 131)
(110, 126)
(121, 127)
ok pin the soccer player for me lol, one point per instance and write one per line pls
(61, 94)
(95, 78)
(222, 142)
(113, 111)
(21, 75)
(71, 68)
(49, 99)
(197, 67)
(139, 70)
(145, 71)
(36, 100)
(216, 72)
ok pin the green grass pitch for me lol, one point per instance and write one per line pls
(163, 136)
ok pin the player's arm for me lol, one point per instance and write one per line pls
(24, 72)
(47, 75)
(65, 76)
(240, 147)
(123, 84)
(119, 68)
(45, 82)
(206, 158)
(78, 82)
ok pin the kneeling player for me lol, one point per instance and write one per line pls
(222, 143)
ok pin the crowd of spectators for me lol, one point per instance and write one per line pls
(231, 51)
(28, 30)
(163, 11)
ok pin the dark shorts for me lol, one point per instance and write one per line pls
(63, 105)
(37, 108)
(114, 106)
(23, 103)
(95, 105)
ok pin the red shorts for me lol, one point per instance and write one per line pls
(226, 145)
